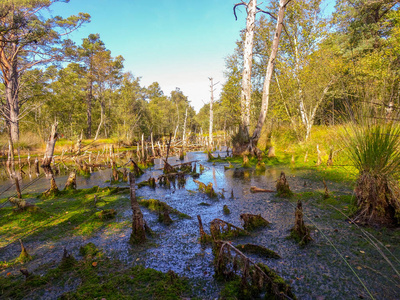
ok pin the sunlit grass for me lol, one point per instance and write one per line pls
(67, 214)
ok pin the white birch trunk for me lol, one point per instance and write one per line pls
(245, 96)
(210, 132)
(269, 73)
(184, 130)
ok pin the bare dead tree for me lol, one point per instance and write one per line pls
(48, 156)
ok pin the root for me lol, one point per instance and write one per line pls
(231, 264)
(221, 229)
(253, 221)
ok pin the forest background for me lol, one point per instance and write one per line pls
(325, 64)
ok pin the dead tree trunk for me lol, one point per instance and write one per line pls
(300, 232)
(245, 96)
(268, 75)
(71, 181)
(282, 186)
(48, 156)
(210, 132)
(184, 130)
(17, 187)
(203, 235)
(138, 228)
(152, 146)
(53, 186)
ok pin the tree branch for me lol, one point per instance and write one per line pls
(236, 5)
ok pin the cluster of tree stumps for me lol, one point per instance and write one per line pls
(232, 265)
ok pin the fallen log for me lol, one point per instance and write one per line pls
(255, 189)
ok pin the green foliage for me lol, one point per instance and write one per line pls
(373, 147)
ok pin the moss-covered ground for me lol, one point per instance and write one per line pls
(96, 277)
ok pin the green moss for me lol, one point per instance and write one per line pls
(106, 214)
(90, 251)
(98, 277)
(70, 213)
(252, 222)
(206, 189)
(226, 210)
(159, 206)
(256, 249)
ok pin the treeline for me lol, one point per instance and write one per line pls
(47, 77)
(93, 97)
(328, 64)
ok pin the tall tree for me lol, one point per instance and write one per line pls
(107, 73)
(26, 40)
(91, 46)
(245, 95)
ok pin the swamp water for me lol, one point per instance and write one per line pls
(318, 271)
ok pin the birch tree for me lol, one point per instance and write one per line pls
(268, 76)
(308, 66)
(245, 95)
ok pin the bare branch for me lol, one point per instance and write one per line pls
(265, 12)
(236, 5)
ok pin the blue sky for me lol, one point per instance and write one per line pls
(178, 43)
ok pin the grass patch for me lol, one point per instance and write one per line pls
(67, 214)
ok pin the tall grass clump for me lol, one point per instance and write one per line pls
(372, 147)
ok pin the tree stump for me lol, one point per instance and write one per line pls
(71, 182)
(300, 232)
(220, 229)
(37, 166)
(282, 186)
(136, 170)
(271, 152)
(326, 193)
(330, 158)
(253, 221)
(22, 205)
(53, 190)
(67, 261)
(138, 230)
(246, 162)
(164, 217)
(226, 210)
(48, 156)
(24, 256)
(26, 273)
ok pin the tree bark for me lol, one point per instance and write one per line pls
(245, 96)
(12, 101)
(210, 132)
(269, 73)
(138, 229)
(102, 113)
(89, 97)
(48, 156)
